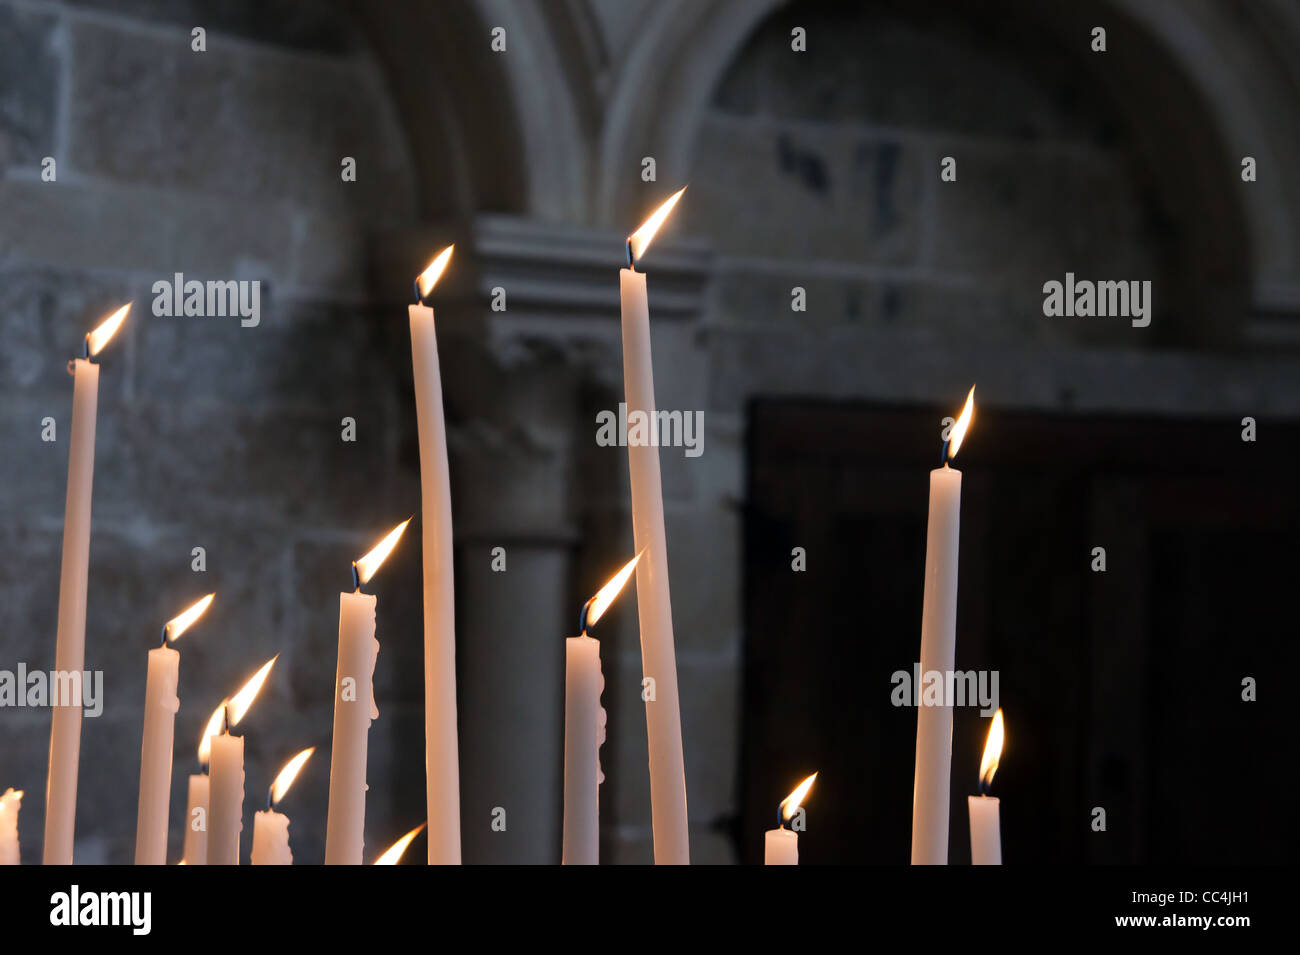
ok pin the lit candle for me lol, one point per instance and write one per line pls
(441, 765)
(781, 845)
(271, 828)
(985, 824)
(226, 778)
(70, 645)
(938, 652)
(584, 728)
(654, 603)
(196, 806)
(10, 802)
(354, 709)
(160, 706)
(393, 854)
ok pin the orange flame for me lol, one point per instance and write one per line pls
(791, 803)
(241, 701)
(992, 751)
(429, 277)
(394, 852)
(96, 340)
(284, 779)
(958, 432)
(367, 565)
(640, 239)
(178, 625)
(212, 728)
(605, 596)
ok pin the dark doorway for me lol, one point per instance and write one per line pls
(1121, 690)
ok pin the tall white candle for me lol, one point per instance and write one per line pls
(160, 706)
(938, 652)
(226, 800)
(584, 729)
(226, 775)
(985, 824)
(70, 645)
(654, 602)
(781, 845)
(196, 821)
(442, 766)
(271, 828)
(10, 802)
(354, 709)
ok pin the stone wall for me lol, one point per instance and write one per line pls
(817, 169)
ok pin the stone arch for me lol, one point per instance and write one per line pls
(488, 132)
(1189, 130)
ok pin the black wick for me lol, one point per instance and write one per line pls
(631, 259)
(419, 298)
(943, 457)
(582, 617)
(356, 579)
(166, 629)
(225, 718)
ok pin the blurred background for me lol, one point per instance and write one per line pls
(816, 169)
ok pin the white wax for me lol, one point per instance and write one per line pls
(271, 838)
(780, 847)
(938, 652)
(354, 708)
(160, 706)
(442, 767)
(985, 830)
(584, 731)
(196, 823)
(10, 802)
(70, 647)
(226, 799)
(654, 603)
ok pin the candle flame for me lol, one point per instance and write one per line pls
(284, 779)
(429, 277)
(640, 239)
(367, 565)
(791, 803)
(606, 595)
(178, 625)
(958, 432)
(992, 751)
(212, 728)
(241, 701)
(394, 852)
(106, 329)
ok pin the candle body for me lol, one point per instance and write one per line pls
(654, 602)
(225, 799)
(442, 766)
(780, 847)
(10, 802)
(354, 708)
(985, 830)
(271, 838)
(160, 706)
(584, 732)
(196, 823)
(938, 652)
(70, 646)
